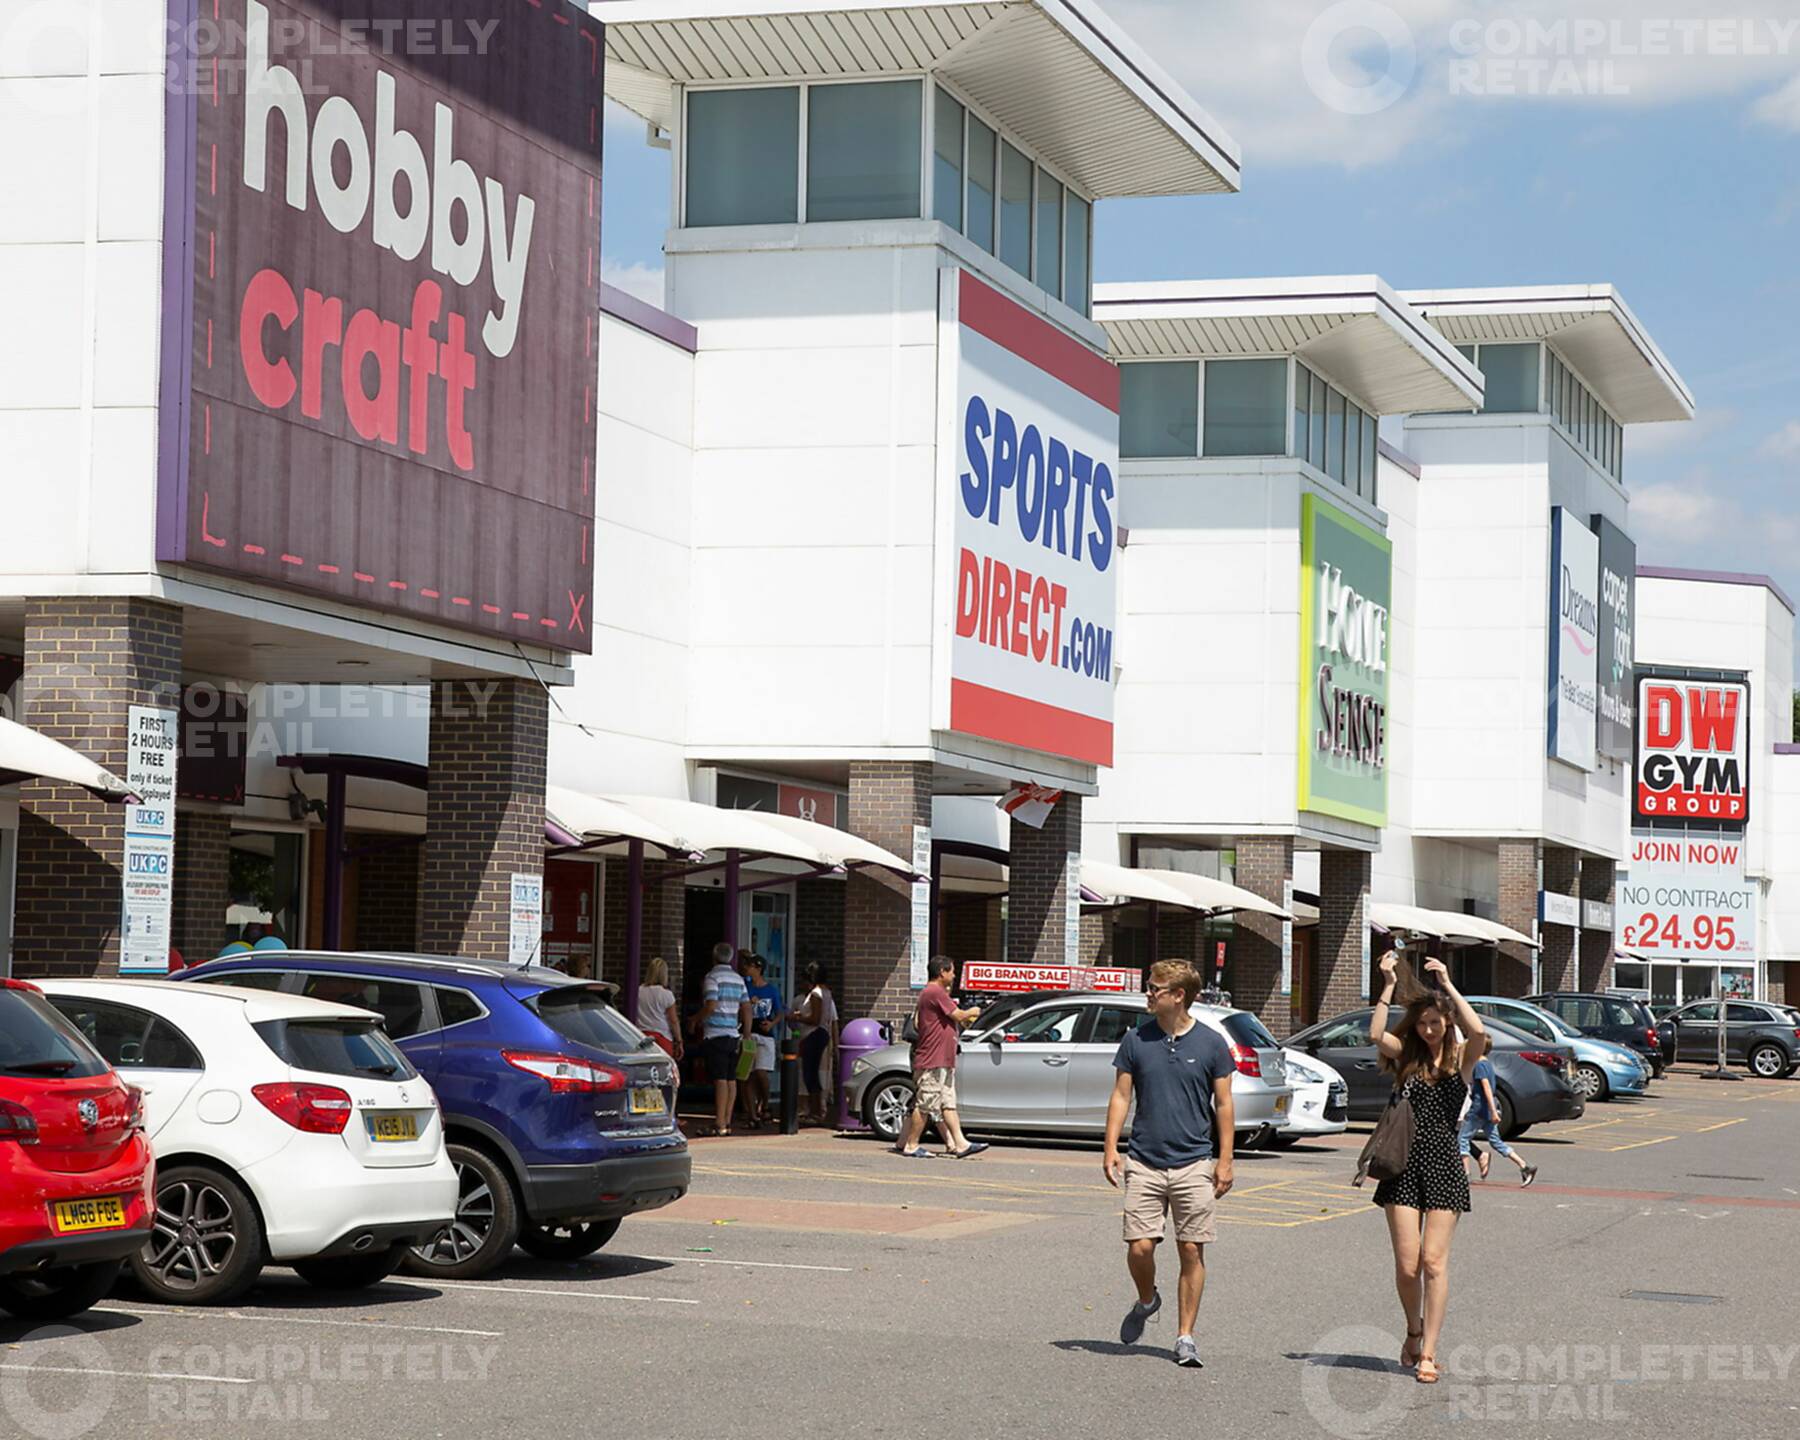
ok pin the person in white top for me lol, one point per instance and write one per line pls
(817, 1015)
(656, 1013)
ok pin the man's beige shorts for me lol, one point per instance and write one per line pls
(934, 1093)
(1185, 1194)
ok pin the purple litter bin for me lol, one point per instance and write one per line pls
(859, 1038)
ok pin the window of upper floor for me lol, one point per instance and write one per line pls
(1531, 378)
(880, 150)
(1205, 409)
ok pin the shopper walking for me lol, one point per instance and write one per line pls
(1179, 1161)
(657, 1015)
(725, 1029)
(934, 1066)
(1432, 1064)
(1482, 1121)
(817, 1017)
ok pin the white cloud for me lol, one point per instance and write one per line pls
(1663, 436)
(1780, 107)
(1688, 522)
(637, 278)
(1784, 444)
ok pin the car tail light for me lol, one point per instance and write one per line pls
(1654, 1039)
(8, 983)
(565, 1074)
(17, 1123)
(134, 1113)
(1247, 1061)
(1549, 1059)
(316, 1109)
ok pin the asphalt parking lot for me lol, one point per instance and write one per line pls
(818, 1285)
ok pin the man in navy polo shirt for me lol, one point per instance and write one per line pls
(1179, 1071)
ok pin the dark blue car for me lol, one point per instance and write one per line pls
(558, 1112)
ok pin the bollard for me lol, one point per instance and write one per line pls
(790, 1085)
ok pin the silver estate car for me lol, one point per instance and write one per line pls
(1046, 1066)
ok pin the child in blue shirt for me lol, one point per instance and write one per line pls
(1484, 1119)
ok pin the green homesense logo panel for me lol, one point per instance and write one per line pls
(1346, 583)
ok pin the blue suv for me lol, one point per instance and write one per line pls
(558, 1112)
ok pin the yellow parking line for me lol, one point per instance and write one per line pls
(1639, 1144)
(1721, 1125)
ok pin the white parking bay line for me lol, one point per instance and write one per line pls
(279, 1319)
(531, 1290)
(755, 1264)
(131, 1374)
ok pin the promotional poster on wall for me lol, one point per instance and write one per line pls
(1574, 688)
(1618, 609)
(1691, 766)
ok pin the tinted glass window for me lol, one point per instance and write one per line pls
(582, 1015)
(1052, 1026)
(862, 151)
(1512, 377)
(1015, 209)
(1523, 1020)
(400, 1003)
(1246, 407)
(743, 156)
(336, 1047)
(981, 184)
(36, 1040)
(1159, 410)
(248, 979)
(947, 161)
(125, 1035)
(1348, 1034)
(1741, 1014)
(1302, 412)
(456, 1006)
(1077, 268)
(1113, 1023)
(1698, 1012)
(1245, 1029)
(1049, 233)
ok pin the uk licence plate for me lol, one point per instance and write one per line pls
(646, 1100)
(393, 1127)
(105, 1213)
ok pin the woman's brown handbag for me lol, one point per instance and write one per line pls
(1388, 1148)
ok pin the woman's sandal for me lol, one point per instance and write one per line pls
(1427, 1373)
(1412, 1337)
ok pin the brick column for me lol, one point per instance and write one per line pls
(1597, 880)
(1518, 865)
(1343, 923)
(484, 813)
(86, 662)
(1559, 961)
(202, 884)
(387, 895)
(665, 918)
(1037, 886)
(1264, 864)
(969, 930)
(887, 798)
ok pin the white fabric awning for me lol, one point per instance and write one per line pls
(596, 820)
(1173, 887)
(27, 755)
(1444, 924)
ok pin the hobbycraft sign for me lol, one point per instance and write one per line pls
(381, 287)
(1028, 538)
(1692, 765)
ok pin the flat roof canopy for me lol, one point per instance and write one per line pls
(1355, 329)
(1590, 326)
(27, 755)
(1444, 924)
(1118, 883)
(1057, 74)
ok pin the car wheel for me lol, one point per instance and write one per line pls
(207, 1244)
(486, 1224)
(567, 1241)
(1768, 1062)
(57, 1294)
(351, 1272)
(1519, 1130)
(1590, 1082)
(887, 1107)
(1508, 1128)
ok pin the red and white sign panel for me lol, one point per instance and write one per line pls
(1686, 899)
(1028, 597)
(1693, 751)
(382, 289)
(995, 978)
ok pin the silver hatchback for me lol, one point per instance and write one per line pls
(1046, 1066)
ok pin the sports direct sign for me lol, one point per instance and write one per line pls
(1686, 899)
(381, 288)
(1008, 978)
(1028, 552)
(1693, 751)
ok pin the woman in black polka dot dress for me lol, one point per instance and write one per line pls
(1431, 1064)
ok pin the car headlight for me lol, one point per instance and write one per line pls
(861, 1067)
(1304, 1073)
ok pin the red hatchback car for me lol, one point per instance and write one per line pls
(76, 1174)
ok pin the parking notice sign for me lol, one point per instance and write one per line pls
(151, 750)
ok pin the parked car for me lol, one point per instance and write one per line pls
(1321, 1100)
(559, 1113)
(1535, 1080)
(1602, 1069)
(289, 1131)
(76, 1173)
(1618, 1018)
(1763, 1038)
(1046, 1066)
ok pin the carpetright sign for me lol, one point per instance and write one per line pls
(381, 286)
(1345, 588)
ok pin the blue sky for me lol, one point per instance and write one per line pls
(1667, 163)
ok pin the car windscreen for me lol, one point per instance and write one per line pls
(577, 1013)
(36, 1040)
(337, 1047)
(1246, 1030)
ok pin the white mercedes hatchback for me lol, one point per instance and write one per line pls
(287, 1131)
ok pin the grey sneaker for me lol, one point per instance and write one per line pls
(1131, 1328)
(1187, 1352)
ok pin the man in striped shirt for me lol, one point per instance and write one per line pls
(724, 1026)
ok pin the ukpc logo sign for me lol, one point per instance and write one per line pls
(381, 289)
(1692, 765)
(1028, 552)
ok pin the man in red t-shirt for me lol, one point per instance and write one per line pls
(934, 1066)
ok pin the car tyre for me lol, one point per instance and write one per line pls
(1769, 1062)
(1283, 1140)
(1590, 1083)
(1508, 1127)
(485, 1227)
(57, 1294)
(567, 1240)
(351, 1272)
(887, 1106)
(207, 1244)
